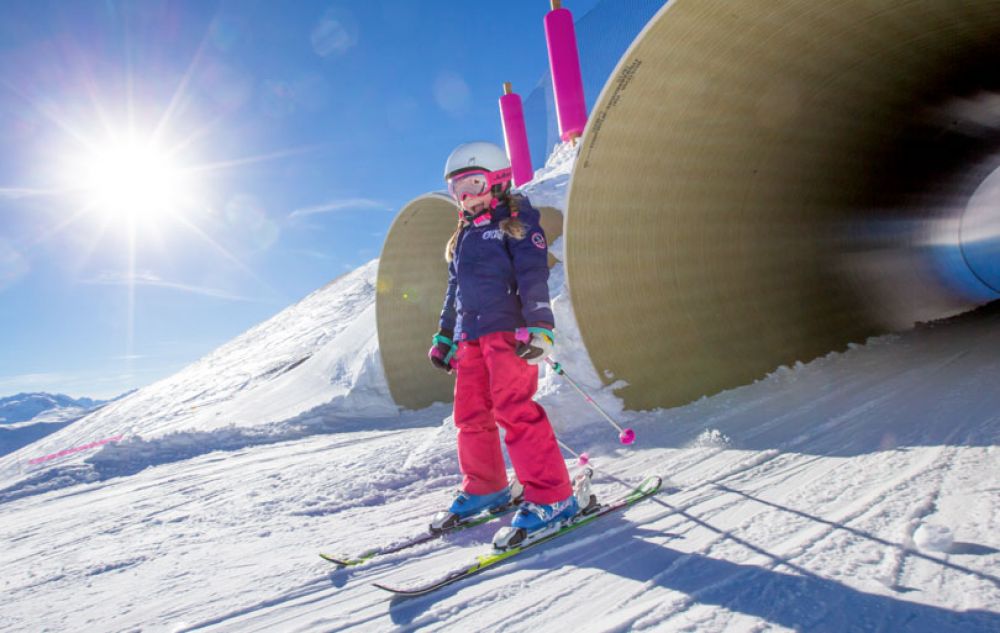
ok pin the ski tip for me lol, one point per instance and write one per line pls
(341, 561)
(650, 485)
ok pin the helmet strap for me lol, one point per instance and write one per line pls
(480, 218)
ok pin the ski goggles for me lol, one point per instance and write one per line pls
(476, 182)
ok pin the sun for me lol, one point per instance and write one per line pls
(130, 181)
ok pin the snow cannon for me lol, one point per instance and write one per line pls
(567, 81)
(515, 135)
(771, 182)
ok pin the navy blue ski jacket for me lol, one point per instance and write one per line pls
(495, 282)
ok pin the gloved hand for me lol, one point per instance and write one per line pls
(443, 351)
(534, 344)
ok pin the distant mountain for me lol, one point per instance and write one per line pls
(27, 406)
(28, 417)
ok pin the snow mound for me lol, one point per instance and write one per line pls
(550, 186)
(933, 538)
(712, 438)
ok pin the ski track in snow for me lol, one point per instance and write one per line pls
(788, 504)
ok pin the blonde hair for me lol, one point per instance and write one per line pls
(512, 227)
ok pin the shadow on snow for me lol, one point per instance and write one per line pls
(799, 600)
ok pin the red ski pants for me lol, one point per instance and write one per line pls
(494, 386)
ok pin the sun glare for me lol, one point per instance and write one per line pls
(131, 181)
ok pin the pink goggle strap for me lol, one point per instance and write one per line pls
(498, 177)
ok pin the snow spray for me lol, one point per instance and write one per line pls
(625, 436)
(76, 449)
(515, 135)
(567, 81)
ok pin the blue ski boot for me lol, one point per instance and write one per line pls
(468, 506)
(533, 520)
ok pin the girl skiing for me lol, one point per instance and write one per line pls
(495, 328)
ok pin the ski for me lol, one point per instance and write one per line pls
(646, 489)
(352, 561)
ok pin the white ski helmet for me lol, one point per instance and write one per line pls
(476, 155)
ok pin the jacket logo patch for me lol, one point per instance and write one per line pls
(538, 240)
(495, 234)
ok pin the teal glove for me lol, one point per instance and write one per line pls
(443, 351)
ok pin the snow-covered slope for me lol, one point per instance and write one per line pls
(313, 365)
(796, 504)
(858, 492)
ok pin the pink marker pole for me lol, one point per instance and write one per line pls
(515, 135)
(564, 62)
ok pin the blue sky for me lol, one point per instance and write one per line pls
(298, 130)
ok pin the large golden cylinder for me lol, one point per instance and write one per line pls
(762, 182)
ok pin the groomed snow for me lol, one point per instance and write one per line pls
(799, 502)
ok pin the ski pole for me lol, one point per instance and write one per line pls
(582, 459)
(626, 436)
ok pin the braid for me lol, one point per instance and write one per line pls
(449, 250)
(514, 204)
(512, 226)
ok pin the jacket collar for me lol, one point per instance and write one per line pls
(501, 212)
